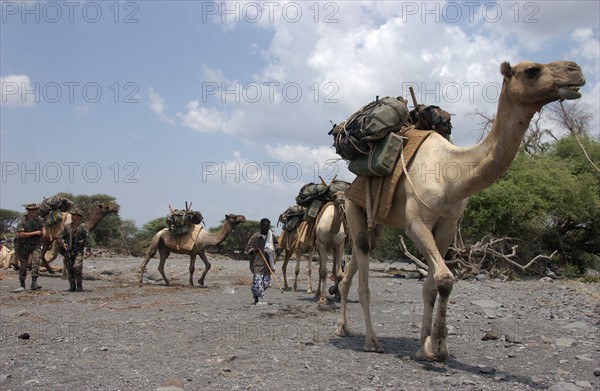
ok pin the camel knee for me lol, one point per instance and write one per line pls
(444, 287)
(362, 242)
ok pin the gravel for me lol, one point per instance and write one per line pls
(116, 335)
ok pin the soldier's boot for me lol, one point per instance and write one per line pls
(22, 287)
(79, 287)
(71, 286)
(34, 284)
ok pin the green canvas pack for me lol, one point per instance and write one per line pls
(312, 211)
(291, 217)
(381, 160)
(371, 123)
(179, 221)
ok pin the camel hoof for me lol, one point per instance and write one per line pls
(342, 331)
(428, 353)
(200, 282)
(309, 291)
(322, 301)
(372, 347)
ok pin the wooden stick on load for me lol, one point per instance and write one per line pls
(413, 97)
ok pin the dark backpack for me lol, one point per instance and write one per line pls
(291, 217)
(179, 220)
(54, 204)
(309, 192)
(367, 125)
(426, 117)
(336, 186)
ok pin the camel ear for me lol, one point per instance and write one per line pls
(506, 69)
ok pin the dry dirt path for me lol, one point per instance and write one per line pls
(119, 336)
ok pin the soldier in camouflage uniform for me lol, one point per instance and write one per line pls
(30, 230)
(74, 239)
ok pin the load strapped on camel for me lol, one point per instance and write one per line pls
(179, 220)
(314, 195)
(292, 216)
(371, 138)
(52, 208)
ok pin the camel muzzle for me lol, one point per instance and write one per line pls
(569, 93)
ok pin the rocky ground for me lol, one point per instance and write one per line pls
(116, 335)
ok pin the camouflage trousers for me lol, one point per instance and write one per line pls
(74, 267)
(23, 253)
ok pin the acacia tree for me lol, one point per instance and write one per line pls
(8, 218)
(550, 197)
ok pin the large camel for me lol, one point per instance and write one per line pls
(291, 244)
(201, 243)
(428, 209)
(330, 235)
(49, 247)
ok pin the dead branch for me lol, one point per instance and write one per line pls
(410, 256)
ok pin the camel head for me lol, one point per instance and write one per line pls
(536, 85)
(105, 210)
(339, 199)
(234, 220)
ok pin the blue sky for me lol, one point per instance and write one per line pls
(228, 104)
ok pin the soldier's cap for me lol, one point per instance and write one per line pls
(32, 206)
(76, 211)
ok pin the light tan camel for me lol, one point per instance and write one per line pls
(330, 235)
(291, 245)
(49, 247)
(428, 209)
(201, 243)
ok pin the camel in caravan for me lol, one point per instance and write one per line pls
(330, 235)
(289, 241)
(428, 210)
(49, 246)
(161, 243)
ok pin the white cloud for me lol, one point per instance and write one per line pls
(210, 120)
(375, 48)
(157, 104)
(17, 91)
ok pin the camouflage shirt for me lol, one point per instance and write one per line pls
(27, 225)
(76, 237)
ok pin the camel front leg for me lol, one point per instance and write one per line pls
(207, 266)
(364, 295)
(439, 281)
(311, 254)
(342, 325)
(286, 259)
(45, 248)
(322, 289)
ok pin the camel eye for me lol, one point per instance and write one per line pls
(532, 72)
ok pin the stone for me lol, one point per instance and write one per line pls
(564, 342)
(483, 303)
(563, 386)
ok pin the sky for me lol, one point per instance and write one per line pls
(227, 105)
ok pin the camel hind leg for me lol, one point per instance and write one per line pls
(151, 253)
(207, 267)
(164, 253)
(363, 241)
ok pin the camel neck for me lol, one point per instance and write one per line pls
(489, 159)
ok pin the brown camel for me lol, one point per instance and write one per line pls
(428, 210)
(201, 243)
(330, 235)
(49, 247)
(290, 243)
